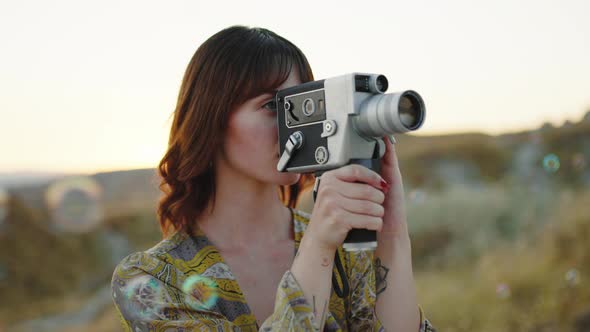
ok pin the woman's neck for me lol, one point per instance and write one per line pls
(245, 211)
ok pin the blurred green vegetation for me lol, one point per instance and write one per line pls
(538, 282)
(49, 272)
(493, 157)
(499, 241)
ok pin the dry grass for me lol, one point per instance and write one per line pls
(466, 297)
(467, 241)
(463, 295)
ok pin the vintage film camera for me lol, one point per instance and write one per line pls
(334, 122)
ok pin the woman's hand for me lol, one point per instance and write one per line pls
(348, 197)
(394, 218)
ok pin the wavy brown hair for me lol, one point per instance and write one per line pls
(231, 67)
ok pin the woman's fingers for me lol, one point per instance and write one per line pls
(362, 207)
(361, 191)
(348, 197)
(358, 173)
(361, 221)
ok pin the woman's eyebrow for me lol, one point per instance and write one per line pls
(265, 96)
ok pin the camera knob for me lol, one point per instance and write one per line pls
(308, 107)
(288, 105)
(321, 155)
(329, 128)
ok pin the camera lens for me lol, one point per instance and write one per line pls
(382, 83)
(409, 112)
(391, 113)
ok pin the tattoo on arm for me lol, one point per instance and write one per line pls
(380, 276)
(325, 262)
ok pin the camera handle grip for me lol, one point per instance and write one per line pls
(357, 239)
(362, 239)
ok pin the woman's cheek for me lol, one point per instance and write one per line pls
(272, 129)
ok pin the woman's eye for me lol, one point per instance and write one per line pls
(270, 106)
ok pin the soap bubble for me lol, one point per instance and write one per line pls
(417, 196)
(551, 163)
(503, 290)
(201, 292)
(74, 204)
(572, 277)
(144, 297)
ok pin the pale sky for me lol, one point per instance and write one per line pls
(90, 86)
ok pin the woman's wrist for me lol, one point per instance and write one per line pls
(311, 244)
(390, 243)
(315, 252)
(397, 232)
(312, 268)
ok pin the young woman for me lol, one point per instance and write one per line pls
(236, 255)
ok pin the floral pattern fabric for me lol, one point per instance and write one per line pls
(184, 284)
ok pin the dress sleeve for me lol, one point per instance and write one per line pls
(292, 310)
(363, 297)
(425, 325)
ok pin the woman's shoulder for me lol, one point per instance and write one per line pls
(150, 285)
(152, 261)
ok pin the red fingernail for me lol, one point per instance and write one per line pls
(384, 186)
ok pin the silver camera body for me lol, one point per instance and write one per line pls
(330, 123)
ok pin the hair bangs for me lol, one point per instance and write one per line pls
(270, 66)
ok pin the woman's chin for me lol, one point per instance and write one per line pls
(288, 178)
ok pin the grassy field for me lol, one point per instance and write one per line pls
(535, 281)
(500, 242)
(485, 259)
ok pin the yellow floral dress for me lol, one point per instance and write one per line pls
(183, 284)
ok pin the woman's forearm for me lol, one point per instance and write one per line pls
(396, 306)
(312, 268)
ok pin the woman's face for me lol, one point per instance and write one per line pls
(251, 142)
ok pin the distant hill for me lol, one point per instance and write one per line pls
(474, 158)
(39, 264)
(19, 179)
(122, 192)
(426, 161)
